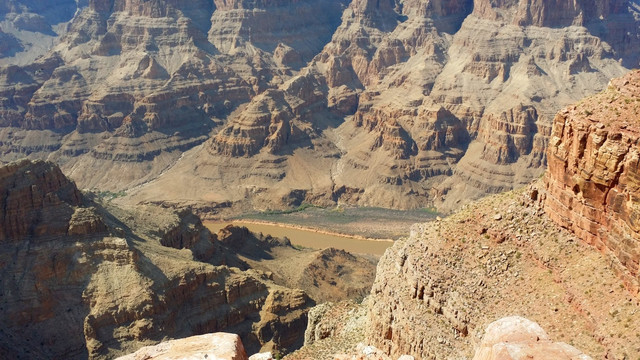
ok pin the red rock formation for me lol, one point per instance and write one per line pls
(435, 292)
(593, 176)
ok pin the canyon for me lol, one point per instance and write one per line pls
(398, 104)
(124, 123)
(82, 278)
(560, 251)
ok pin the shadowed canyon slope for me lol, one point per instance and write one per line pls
(80, 281)
(271, 103)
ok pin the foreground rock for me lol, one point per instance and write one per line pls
(216, 346)
(84, 279)
(516, 338)
(436, 291)
(594, 173)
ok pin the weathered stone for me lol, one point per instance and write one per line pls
(516, 338)
(216, 346)
(72, 290)
(593, 177)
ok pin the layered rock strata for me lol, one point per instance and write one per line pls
(415, 104)
(84, 279)
(143, 82)
(38, 200)
(593, 173)
(436, 291)
(401, 104)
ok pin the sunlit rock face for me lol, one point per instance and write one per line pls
(399, 104)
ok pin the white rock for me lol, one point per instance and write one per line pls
(406, 357)
(216, 346)
(261, 356)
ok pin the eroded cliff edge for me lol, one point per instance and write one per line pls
(562, 251)
(436, 291)
(593, 177)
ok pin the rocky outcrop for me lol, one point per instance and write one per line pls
(184, 230)
(38, 200)
(283, 319)
(334, 275)
(592, 178)
(210, 346)
(513, 338)
(436, 291)
(84, 279)
(268, 121)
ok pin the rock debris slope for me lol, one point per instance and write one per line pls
(399, 103)
(506, 255)
(79, 280)
(436, 291)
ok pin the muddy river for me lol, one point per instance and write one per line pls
(310, 238)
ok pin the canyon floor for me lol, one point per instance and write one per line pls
(376, 223)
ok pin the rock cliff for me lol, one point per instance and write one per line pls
(436, 291)
(593, 173)
(84, 279)
(145, 81)
(416, 103)
(37, 199)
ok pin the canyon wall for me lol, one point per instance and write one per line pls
(592, 177)
(82, 279)
(400, 104)
(414, 104)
